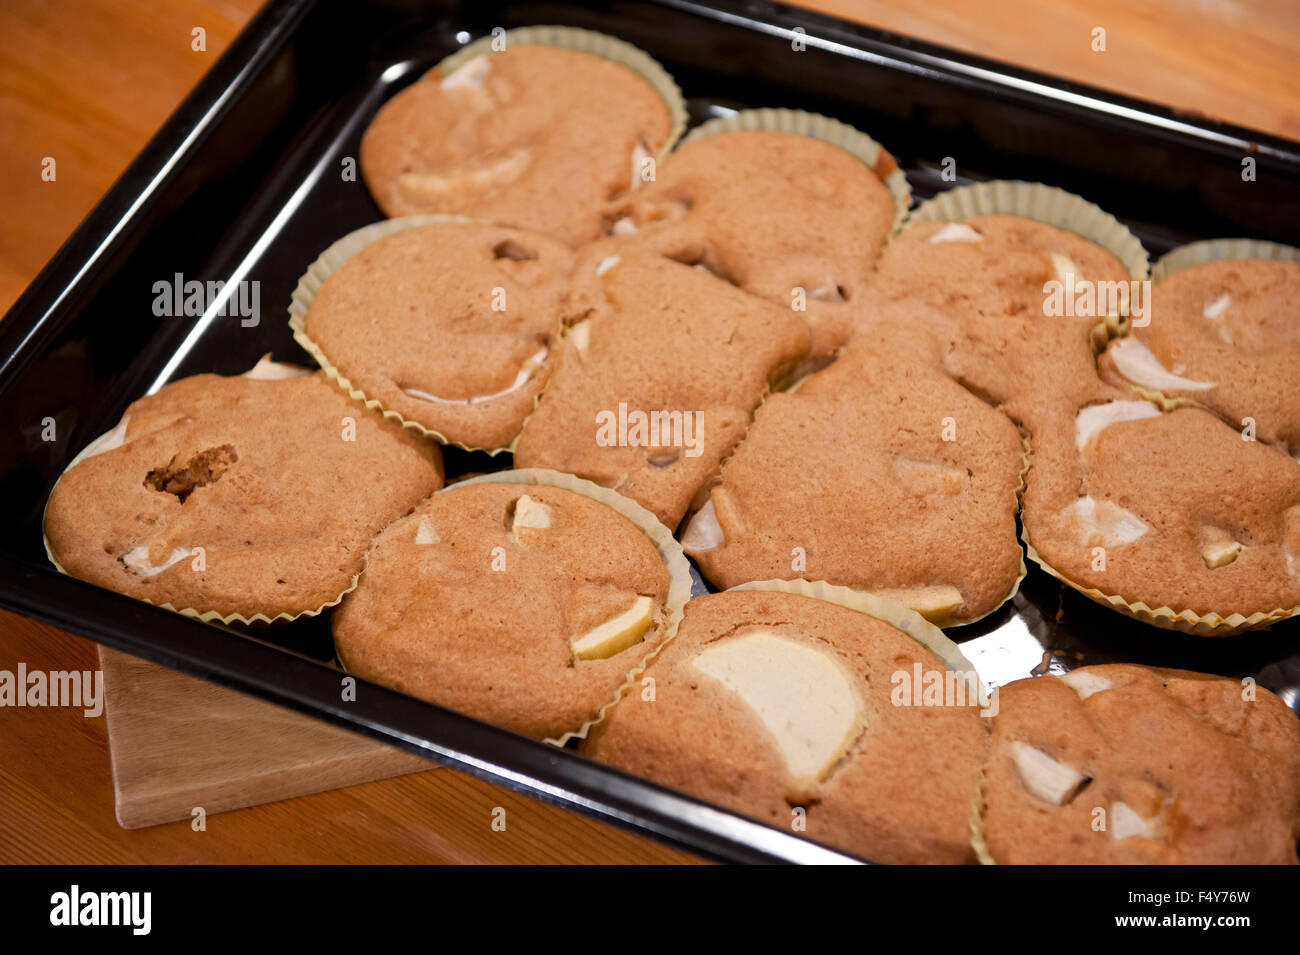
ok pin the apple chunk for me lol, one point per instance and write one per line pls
(802, 696)
(616, 634)
(1049, 779)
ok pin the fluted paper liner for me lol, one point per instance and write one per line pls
(679, 571)
(597, 44)
(1167, 618)
(1052, 206)
(853, 141)
(1215, 250)
(208, 616)
(979, 805)
(329, 262)
(882, 608)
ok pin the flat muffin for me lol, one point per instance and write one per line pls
(450, 326)
(765, 702)
(237, 495)
(1123, 764)
(771, 212)
(988, 274)
(522, 605)
(535, 137)
(1226, 335)
(879, 473)
(658, 373)
(1172, 510)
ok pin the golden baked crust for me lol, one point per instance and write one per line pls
(439, 323)
(879, 473)
(659, 336)
(1234, 325)
(770, 212)
(459, 609)
(282, 483)
(903, 791)
(1194, 487)
(546, 139)
(1004, 346)
(1207, 770)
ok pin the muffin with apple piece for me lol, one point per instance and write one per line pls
(538, 129)
(807, 714)
(246, 498)
(521, 603)
(1125, 764)
(878, 472)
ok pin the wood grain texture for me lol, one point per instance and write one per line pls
(56, 802)
(1232, 60)
(88, 81)
(178, 743)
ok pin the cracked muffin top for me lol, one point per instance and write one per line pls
(879, 472)
(237, 495)
(535, 137)
(452, 326)
(770, 703)
(658, 373)
(1011, 342)
(772, 212)
(1137, 765)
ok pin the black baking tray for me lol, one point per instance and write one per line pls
(245, 182)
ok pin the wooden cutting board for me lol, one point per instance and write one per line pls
(179, 743)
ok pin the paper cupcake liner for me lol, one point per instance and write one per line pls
(853, 141)
(597, 44)
(679, 571)
(882, 608)
(1054, 207)
(329, 262)
(979, 805)
(264, 369)
(1215, 250)
(1167, 618)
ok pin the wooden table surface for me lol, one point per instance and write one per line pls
(88, 81)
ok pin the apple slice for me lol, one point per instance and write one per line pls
(530, 515)
(1047, 778)
(1085, 683)
(1063, 267)
(1105, 522)
(138, 562)
(617, 634)
(1220, 553)
(936, 604)
(803, 697)
(580, 335)
(1092, 420)
(703, 532)
(1139, 364)
(525, 373)
(955, 232)
(1126, 822)
(426, 533)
